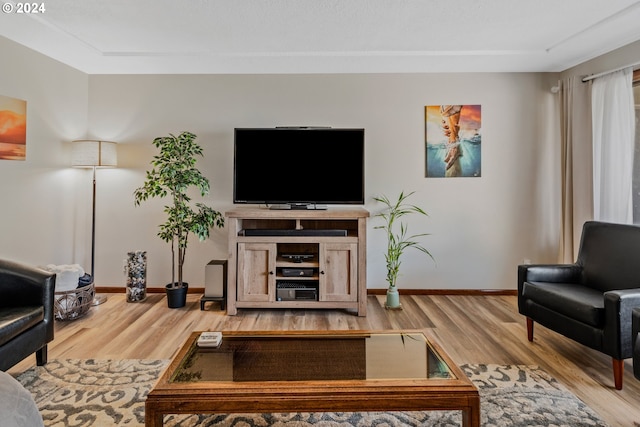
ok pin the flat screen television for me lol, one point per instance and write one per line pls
(301, 168)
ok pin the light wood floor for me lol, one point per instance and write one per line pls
(471, 329)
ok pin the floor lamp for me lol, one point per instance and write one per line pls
(88, 153)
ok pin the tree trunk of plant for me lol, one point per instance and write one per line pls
(180, 264)
(173, 262)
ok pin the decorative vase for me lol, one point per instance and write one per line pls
(177, 295)
(393, 298)
(136, 271)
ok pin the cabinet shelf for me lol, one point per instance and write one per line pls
(283, 262)
(298, 278)
(338, 263)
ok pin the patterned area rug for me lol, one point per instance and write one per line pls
(112, 393)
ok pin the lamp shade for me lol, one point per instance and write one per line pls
(87, 153)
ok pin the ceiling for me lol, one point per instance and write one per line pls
(323, 36)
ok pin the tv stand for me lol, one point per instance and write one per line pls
(267, 247)
(298, 206)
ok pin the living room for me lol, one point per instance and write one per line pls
(480, 228)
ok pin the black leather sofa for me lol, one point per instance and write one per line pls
(26, 313)
(591, 300)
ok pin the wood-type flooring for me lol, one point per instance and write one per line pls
(470, 328)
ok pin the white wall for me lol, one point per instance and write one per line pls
(481, 227)
(39, 202)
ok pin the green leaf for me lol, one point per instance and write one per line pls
(172, 174)
(397, 239)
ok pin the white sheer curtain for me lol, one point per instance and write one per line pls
(613, 124)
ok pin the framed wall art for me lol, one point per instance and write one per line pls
(13, 128)
(453, 141)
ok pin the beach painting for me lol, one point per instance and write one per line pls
(13, 128)
(453, 141)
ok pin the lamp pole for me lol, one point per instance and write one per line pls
(93, 225)
(94, 154)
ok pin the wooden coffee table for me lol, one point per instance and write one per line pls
(318, 371)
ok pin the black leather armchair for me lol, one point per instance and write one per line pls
(26, 313)
(591, 300)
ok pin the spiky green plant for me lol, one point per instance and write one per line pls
(397, 239)
(173, 173)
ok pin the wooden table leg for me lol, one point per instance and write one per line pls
(471, 415)
(151, 417)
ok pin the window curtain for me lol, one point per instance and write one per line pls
(575, 165)
(613, 127)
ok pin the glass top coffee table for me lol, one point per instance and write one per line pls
(312, 371)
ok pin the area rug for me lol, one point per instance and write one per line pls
(105, 393)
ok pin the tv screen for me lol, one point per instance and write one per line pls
(299, 166)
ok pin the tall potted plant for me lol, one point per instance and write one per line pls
(173, 173)
(397, 240)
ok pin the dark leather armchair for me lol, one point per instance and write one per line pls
(26, 313)
(591, 300)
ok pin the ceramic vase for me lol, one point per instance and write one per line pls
(393, 298)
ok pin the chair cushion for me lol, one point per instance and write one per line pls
(16, 320)
(572, 300)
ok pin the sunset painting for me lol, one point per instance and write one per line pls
(13, 128)
(453, 141)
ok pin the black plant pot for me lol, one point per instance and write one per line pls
(177, 296)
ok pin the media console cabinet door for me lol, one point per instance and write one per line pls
(338, 272)
(256, 271)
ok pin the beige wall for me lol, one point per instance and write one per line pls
(39, 201)
(622, 57)
(481, 227)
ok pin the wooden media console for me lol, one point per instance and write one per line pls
(297, 259)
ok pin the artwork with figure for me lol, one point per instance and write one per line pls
(13, 128)
(453, 141)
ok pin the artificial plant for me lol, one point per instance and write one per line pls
(173, 173)
(397, 239)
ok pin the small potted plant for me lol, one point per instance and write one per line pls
(172, 175)
(397, 240)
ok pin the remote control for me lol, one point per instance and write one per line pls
(210, 339)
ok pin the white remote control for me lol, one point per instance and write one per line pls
(210, 339)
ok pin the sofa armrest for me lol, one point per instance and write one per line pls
(635, 322)
(555, 273)
(48, 300)
(618, 306)
(635, 341)
(23, 285)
